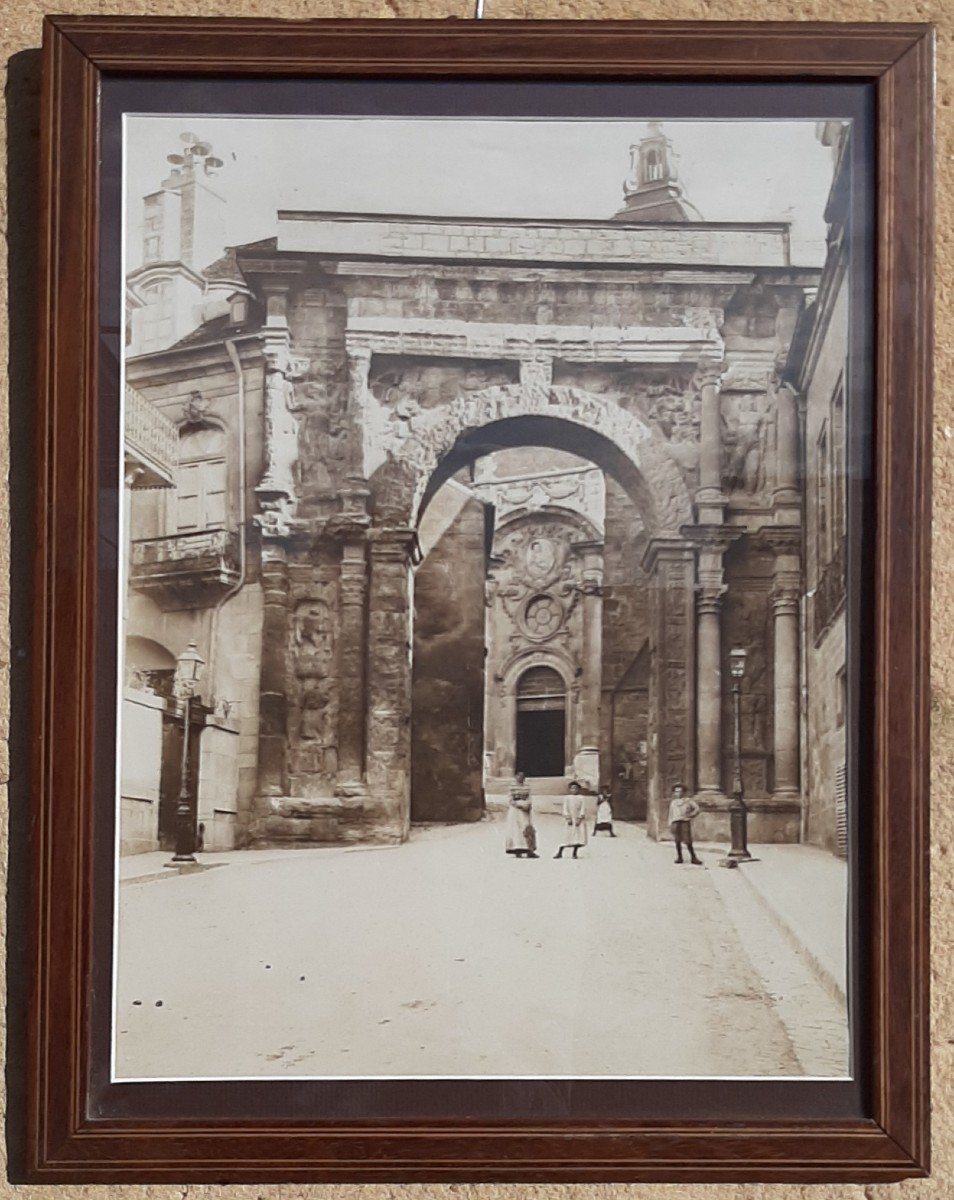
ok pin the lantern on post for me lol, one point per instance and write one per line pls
(738, 813)
(189, 666)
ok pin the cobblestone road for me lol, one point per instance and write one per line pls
(445, 957)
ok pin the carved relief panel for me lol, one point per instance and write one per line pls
(535, 585)
(313, 679)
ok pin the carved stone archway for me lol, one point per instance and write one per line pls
(434, 444)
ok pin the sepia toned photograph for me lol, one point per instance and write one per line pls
(486, 652)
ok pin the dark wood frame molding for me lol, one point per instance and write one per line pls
(65, 1141)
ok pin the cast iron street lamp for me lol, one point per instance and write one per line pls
(738, 813)
(189, 666)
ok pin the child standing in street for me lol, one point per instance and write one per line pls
(604, 813)
(574, 816)
(682, 810)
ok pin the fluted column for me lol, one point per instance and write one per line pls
(273, 685)
(592, 643)
(710, 499)
(786, 611)
(712, 542)
(786, 496)
(587, 760)
(709, 689)
(785, 605)
(366, 431)
(351, 529)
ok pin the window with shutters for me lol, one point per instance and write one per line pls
(201, 482)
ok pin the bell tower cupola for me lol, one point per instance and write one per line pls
(651, 190)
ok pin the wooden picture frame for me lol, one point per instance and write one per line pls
(71, 1138)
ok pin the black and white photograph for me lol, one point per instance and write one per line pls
(485, 642)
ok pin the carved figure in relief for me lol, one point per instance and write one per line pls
(744, 450)
(542, 555)
(314, 639)
(313, 721)
(312, 624)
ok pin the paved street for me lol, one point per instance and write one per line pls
(446, 957)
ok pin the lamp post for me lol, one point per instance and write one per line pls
(189, 666)
(738, 813)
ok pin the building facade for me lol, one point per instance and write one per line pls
(458, 497)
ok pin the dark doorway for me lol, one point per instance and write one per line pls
(541, 723)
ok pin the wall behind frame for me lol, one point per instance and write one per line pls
(20, 39)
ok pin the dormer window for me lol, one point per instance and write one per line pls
(238, 314)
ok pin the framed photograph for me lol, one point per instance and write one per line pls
(481, 602)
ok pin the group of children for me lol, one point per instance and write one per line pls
(521, 834)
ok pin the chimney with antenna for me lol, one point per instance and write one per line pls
(184, 222)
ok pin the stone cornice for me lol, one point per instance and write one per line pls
(571, 343)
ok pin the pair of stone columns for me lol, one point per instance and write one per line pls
(712, 539)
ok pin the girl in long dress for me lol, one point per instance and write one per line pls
(574, 817)
(520, 835)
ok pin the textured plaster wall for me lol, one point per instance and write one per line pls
(20, 31)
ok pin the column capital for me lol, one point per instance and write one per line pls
(347, 528)
(781, 540)
(785, 601)
(783, 387)
(709, 600)
(715, 539)
(667, 549)
(394, 544)
(711, 371)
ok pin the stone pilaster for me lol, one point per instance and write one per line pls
(786, 610)
(351, 530)
(389, 677)
(359, 373)
(710, 498)
(276, 491)
(587, 759)
(273, 703)
(670, 564)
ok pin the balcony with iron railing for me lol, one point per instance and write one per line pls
(186, 570)
(151, 442)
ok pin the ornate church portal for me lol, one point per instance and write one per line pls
(540, 743)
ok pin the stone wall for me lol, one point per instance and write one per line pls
(447, 697)
(747, 623)
(625, 661)
(141, 765)
(218, 793)
(826, 643)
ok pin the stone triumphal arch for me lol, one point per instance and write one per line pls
(379, 363)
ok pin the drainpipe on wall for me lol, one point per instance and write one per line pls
(243, 517)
